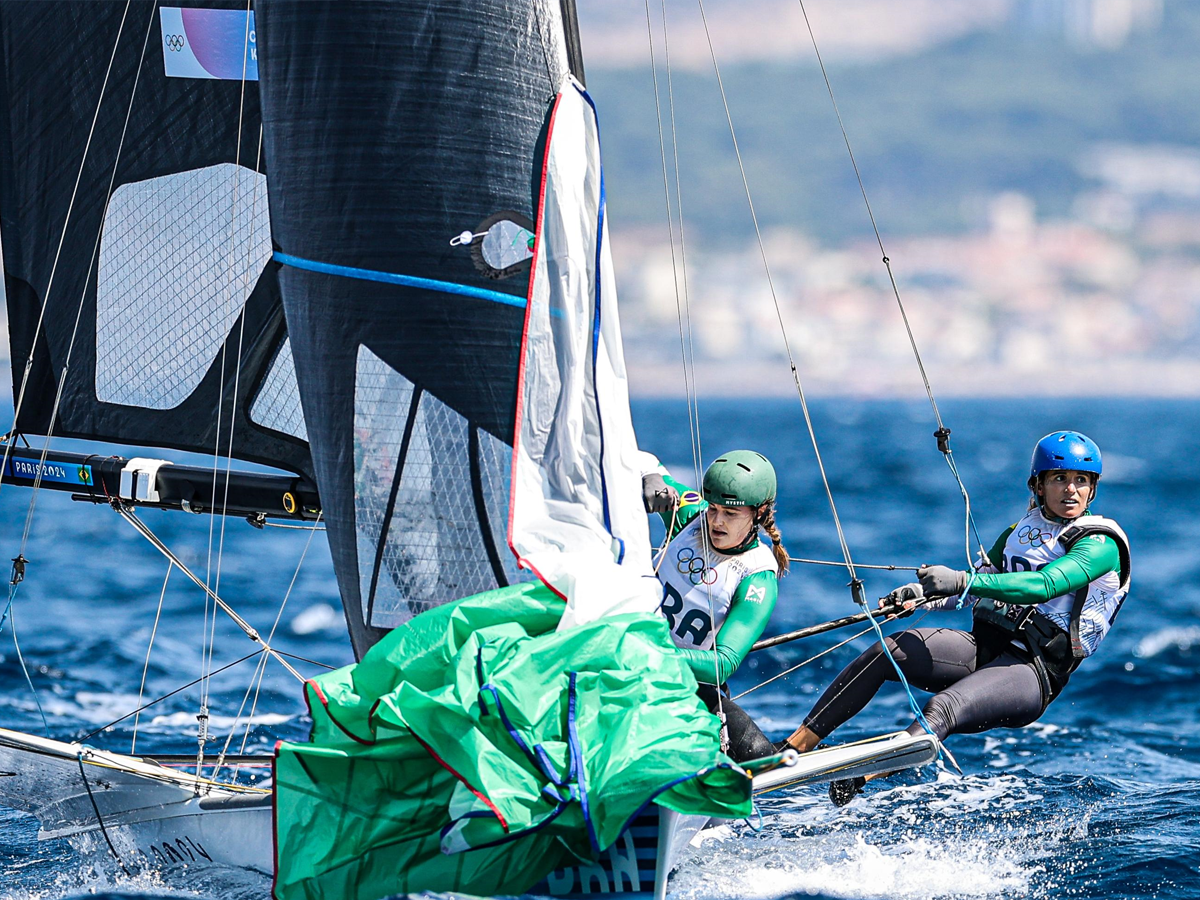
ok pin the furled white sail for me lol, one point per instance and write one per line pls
(576, 513)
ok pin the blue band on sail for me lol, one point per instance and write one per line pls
(429, 284)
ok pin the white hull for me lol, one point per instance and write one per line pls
(153, 817)
(150, 816)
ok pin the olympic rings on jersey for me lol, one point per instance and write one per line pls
(689, 563)
(1033, 536)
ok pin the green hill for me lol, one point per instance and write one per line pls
(993, 112)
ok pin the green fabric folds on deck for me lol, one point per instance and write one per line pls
(450, 758)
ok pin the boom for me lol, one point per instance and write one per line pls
(159, 484)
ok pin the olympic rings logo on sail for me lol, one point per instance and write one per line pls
(690, 564)
(175, 42)
(1034, 536)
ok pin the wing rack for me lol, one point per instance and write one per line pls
(160, 484)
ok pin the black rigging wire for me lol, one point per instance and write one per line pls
(855, 584)
(943, 433)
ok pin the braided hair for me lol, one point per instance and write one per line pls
(765, 515)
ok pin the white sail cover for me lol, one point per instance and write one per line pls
(576, 512)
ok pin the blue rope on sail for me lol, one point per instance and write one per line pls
(429, 284)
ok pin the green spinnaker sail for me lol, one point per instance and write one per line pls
(477, 749)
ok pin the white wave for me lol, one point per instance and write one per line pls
(318, 617)
(99, 709)
(851, 866)
(1179, 638)
(90, 879)
(188, 720)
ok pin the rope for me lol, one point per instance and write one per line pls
(18, 574)
(146, 666)
(37, 331)
(100, 818)
(209, 633)
(662, 551)
(241, 623)
(943, 433)
(269, 524)
(813, 658)
(683, 309)
(689, 376)
(849, 563)
(687, 348)
(857, 565)
(12, 622)
(912, 701)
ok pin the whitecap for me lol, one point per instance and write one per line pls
(853, 867)
(1179, 638)
(188, 720)
(318, 617)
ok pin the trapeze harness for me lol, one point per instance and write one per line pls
(1060, 633)
(1017, 657)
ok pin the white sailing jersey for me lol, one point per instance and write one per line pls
(699, 583)
(1034, 543)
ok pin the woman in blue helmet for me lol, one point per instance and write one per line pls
(1043, 600)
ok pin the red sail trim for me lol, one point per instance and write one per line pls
(445, 765)
(325, 703)
(520, 405)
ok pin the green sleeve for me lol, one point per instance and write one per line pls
(753, 603)
(1090, 558)
(688, 508)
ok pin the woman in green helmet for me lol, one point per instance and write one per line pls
(720, 578)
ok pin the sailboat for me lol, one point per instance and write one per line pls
(363, 244)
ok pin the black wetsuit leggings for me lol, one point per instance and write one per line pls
(976, 688)
(746, 740)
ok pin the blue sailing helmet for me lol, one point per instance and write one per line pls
(1064, 450)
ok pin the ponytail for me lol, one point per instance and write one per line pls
(766, 518)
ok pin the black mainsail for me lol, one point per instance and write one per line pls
(403, 141)
(137, 287)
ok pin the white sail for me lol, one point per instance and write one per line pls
(577, 519)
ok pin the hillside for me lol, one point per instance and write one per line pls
(934, 133)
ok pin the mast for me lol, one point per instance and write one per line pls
(570, 19)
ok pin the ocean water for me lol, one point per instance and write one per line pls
(1099, 799)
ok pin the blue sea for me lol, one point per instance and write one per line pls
(1099, 799)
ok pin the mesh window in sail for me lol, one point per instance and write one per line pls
(277, 405)
(495, 477)
(431, 548)
(180, 254)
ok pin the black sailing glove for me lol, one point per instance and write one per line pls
(942, 581)
(657, 495)
(904, 597)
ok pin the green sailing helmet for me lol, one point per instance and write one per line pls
(740, 478)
